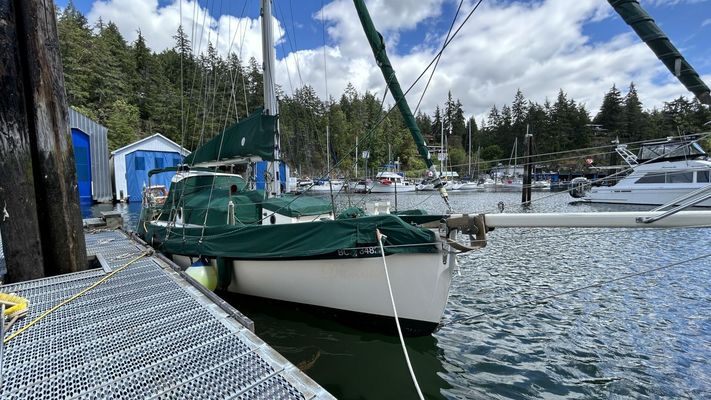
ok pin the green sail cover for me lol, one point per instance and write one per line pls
(299, 240)
(252, 137)
(297, 206)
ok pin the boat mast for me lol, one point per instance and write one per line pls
(470, 150)
(271, 107)
(356, 158)
(328, 153)
(442, 153)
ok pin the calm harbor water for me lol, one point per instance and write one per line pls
(644, 337)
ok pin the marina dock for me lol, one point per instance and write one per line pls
(145, 332)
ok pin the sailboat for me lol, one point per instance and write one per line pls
(295, 248)
(472, 182)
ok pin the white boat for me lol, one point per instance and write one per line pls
(541, 185)
(662, 172)
(325, 185)
(293, 248)
(469, 186)
(390, 182)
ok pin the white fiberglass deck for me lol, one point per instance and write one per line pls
(144, 333)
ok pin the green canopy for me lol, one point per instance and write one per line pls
(300, 240)
(296, 206)
(252, 137)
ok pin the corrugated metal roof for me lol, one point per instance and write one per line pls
(137, 143)
(99, 148)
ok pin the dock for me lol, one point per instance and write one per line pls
(146, 332)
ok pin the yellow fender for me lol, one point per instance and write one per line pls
(15, 305)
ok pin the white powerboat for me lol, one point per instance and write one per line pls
(662, 172)
(390, 182)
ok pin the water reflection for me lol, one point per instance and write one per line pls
(348, 362)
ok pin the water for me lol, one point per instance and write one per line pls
(644, 337)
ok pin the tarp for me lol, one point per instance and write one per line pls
(296, 206)
(300, 240)
(251, 137)
(211, 194)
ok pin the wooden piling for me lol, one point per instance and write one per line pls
(527, 169)
(42, 233)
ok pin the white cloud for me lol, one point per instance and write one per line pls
(160, 24)
(706, 22)
(671, 2)
(538, 47)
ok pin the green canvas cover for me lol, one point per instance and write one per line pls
(351, 212)
(297, 206)
(197, 195)
(418, 216)
(251, 137)
(287, 241)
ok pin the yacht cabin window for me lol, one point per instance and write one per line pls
(680, 177)
(669, 150)
(703, 176)
(669, 177)
(652, 177)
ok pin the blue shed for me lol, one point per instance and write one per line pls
(91, 156)
(261, 167)
(131, 163)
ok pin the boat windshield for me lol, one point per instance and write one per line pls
(670, 150)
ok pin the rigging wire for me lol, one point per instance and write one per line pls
(294, 46)
(541, 299)
(372, 130)
(429, 80)
(621, 172)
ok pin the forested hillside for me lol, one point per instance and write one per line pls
(189, 98)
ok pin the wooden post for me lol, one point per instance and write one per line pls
(527, 169)
(42, 232)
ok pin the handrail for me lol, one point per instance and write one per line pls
(691, 201)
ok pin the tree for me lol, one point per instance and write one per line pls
(636, 121)
(76, 46)
(611, 115)
(122, 124)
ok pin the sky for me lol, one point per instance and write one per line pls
(539, 47)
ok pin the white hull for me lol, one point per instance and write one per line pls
(323, 188)
(469, 186)
(652, 196)
(381, 188)
(420, 283)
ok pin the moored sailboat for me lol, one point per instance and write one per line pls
(295, 248)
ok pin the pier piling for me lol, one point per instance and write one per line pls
(41, 222)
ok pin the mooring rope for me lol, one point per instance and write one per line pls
(397, 321)
(76, 296)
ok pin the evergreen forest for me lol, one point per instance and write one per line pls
(136, 92)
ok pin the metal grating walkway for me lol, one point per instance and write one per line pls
(144, 333)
